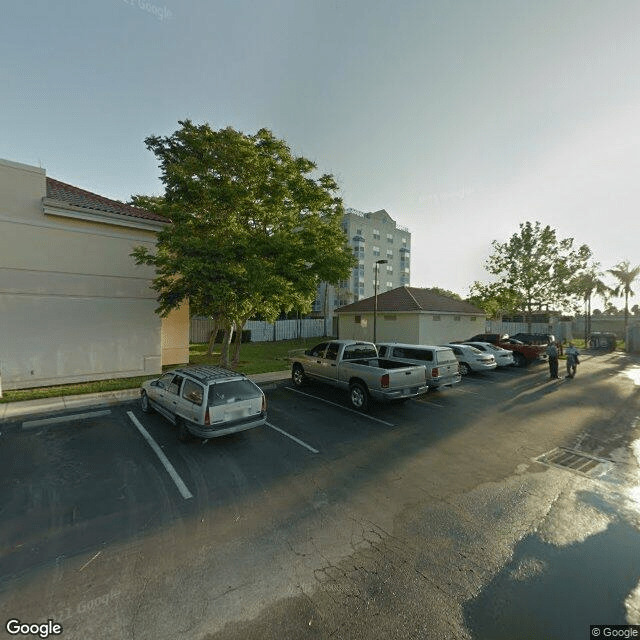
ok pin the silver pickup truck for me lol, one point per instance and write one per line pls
(355, 366)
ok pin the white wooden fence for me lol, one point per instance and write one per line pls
(201, 329)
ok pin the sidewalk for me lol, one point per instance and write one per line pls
(12, 410)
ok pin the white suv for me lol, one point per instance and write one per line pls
(205, 401)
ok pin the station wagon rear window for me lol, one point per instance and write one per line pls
(232, 391)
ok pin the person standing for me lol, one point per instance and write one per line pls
(572, 360)
(552, 354)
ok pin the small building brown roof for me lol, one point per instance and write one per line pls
(411, 299)
(63, 192)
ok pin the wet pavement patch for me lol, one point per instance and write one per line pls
(555, 593)
(578, 461)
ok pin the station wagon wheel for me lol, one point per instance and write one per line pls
(358, 396)
(183, 432)
(465, 369)
(297, 375)
(144, 403)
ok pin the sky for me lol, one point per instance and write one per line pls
(461, 118)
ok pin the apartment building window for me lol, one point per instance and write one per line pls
(456, 318)
(376, 234)
(376, 252)
(390, 237)
(436, 318)
(389, 253)
(390, 285)
(389, 268)
(404, 241)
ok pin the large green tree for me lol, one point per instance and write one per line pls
(253, 231)
(625, 275)
(534, 269)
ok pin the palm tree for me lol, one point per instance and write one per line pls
(588, 284)
(625, 276)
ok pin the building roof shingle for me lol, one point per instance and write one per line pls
(411, 299)
(63, 192)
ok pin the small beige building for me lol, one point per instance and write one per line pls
(410, 315)
(73, 304)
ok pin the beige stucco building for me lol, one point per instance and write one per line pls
(73, 304)
(411, 315)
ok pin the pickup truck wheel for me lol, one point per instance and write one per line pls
(297, 375)
(183, 433)
(359, 396)
(465, 370)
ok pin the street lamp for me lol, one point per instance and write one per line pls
(375, 298)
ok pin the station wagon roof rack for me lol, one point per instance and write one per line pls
(209, 372)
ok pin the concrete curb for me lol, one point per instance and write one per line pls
(13, 410)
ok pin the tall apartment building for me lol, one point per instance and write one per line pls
(373, 236)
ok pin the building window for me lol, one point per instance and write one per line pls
(456, 318)
(390, 237)
(376, 252)
(404, 242)
(376, 234)
(390, 268)
(473, 318)
(389, 253)
(436, 318)
(357, 319)
(390, 285)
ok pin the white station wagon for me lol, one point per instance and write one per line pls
(205, 401)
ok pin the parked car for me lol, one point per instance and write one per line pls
(205, 401)
(523, 354)
(493, 338)
(356, 367)
(440, 363)
(504, 357)
(534, 338)
(471, 359)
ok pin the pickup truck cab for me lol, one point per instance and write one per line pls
(356, 367)
(440, 363)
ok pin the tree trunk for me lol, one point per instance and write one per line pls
(213, 334)
(236, 347)
(224, 356)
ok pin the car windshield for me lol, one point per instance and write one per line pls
(232, 391)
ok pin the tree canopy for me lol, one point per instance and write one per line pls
(252, 231)
(625, 274)
(534, 269)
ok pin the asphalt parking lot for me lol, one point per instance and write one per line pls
(74, 481)
(319, 523)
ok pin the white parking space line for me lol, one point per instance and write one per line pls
(288, 435)
(435, 404)
(42, 422)
(335, 404)
(182, 487)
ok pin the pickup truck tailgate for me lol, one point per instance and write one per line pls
(407, 377)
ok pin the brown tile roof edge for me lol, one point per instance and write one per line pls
(411, 299)
(63, 192)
